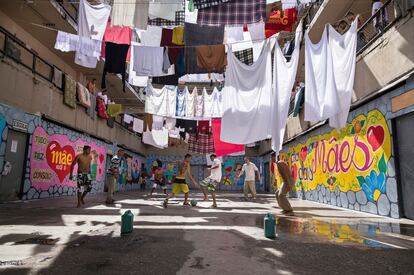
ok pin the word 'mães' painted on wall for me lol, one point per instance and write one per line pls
(52, 156)
(353, 159)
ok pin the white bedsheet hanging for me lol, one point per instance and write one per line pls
(92, 19)
(329, 76)
(343, 49)
(190, 98)
(247, 97)
(133, 78)
(217, 103)
(284, 76)
(321, 99)
(161, 102)
(208, 104)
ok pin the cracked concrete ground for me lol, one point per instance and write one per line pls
(50, 236)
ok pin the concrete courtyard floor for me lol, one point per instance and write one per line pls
(51, 236)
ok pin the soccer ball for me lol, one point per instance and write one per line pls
(193, 202)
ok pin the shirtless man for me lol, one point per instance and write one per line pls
(179, 184)
(284, 171)
(84, 173)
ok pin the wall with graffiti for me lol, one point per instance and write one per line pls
(349, 167)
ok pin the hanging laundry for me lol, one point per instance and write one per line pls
(167, 42)
(202, 4)
(203, 127)
(165, 80)
(191, 13)
(199, 103)
(157, 122)
(280, 21)
(208, 104)
(197, 35)
(181, 102)
(190, 103)
(57, 78)
(343, 50)
(212, 58)
(199, 78)
(148, 61)
(101, 107)
(133, 78)
(217, 109)
(114, 109)
(69, 96)
(201, 144)
(235, 12)
(88, 52)
(257, 31)
(115, 61)
(223, 148)
(117, 35)
(178, 35)
(190, 126)
(138, 125)
(321, 98)
(165, 9)
(150, 37)
(128, 119)
(147, 122)
(161, 102)
(247, 97)
(83, 95)
(92, 19)
(156, 138)
(234, 34)
(91, 111)
(284, 76)
(170, 123)
(66, 42)
(130, 13)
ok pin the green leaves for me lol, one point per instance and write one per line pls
(382, 165)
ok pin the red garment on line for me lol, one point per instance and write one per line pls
(223, 148)
(117, 35)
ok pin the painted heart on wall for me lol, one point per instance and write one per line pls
(375, 137)
(303, 153)
(60, 159)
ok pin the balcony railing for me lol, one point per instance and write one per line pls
(375, 26)
(12, 47)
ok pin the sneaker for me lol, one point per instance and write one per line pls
(186, 203)
(213, 206)
(165, 203)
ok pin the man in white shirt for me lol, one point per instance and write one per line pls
(250, 170)
(210, 183)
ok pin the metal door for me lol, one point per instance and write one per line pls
(15, 158)
(405, 128)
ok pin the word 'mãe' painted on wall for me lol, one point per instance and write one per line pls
(52, 156)
(353, 159)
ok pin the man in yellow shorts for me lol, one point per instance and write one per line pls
(179, 183)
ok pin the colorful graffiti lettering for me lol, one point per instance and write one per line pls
(353, 159)
(52, 156)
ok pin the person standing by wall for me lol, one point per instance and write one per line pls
(286, 175)
(114, 171)
(250, 170)
(84, 180)
(210, 183)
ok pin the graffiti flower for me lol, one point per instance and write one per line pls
(357, 127)
(374, 185)
(331, 180)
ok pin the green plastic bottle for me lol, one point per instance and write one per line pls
(269, 226)
(127, 222)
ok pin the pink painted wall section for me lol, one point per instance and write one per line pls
(52, 155)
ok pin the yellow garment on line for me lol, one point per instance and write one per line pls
(114, 109)
(178, 35)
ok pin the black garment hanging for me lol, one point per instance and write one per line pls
(115, 56)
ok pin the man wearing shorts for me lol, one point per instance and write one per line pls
(210, 183)
(83, 178)
(157, 178)
(179, 183)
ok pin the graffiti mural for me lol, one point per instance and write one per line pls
(52, 156)
(352, 160)
(228, 172)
